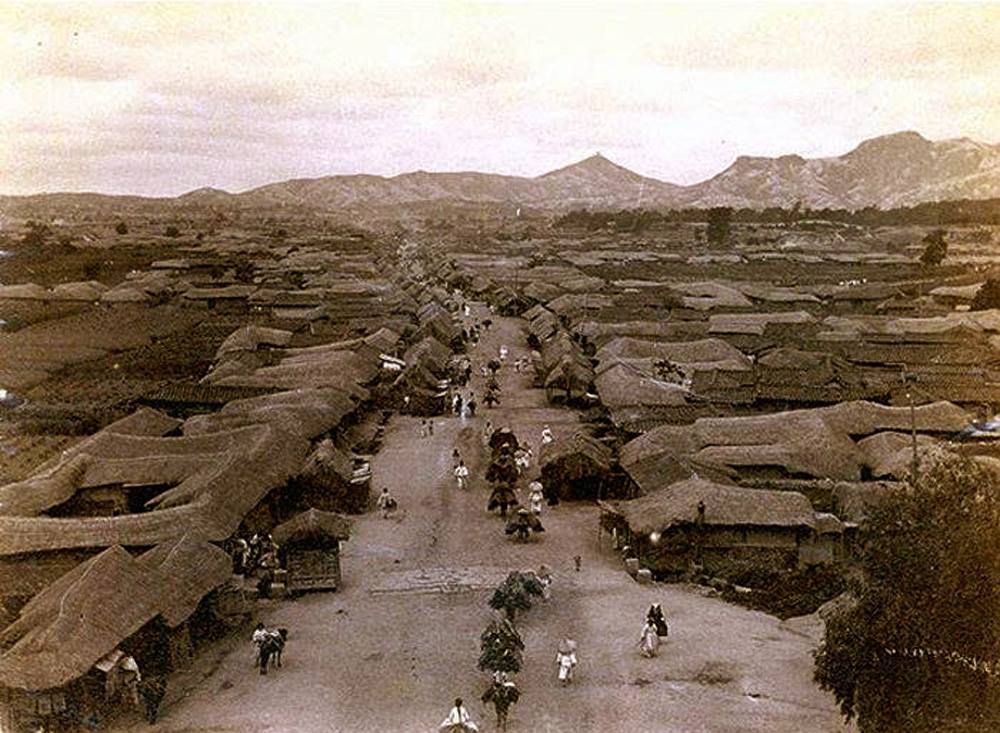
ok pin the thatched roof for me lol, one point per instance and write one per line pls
(890, 454)
(710, 295)
(251, 338)
(64, 630)
(703, 354)
(726, 506)
(313, 524)
(246, 464)
(306, 412)
(576, 447)
(757, 323)
(623, 385)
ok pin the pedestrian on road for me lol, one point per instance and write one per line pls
(470, 405)
(487, 433)
(458, 720)
(566, 659)
(503, 352)
(386, 503)
(535, 496)
(430, 428)
(457, 404)
(461, 475)
(649, 642)
(423, 429)
(456, 458)
(547, 436)
(467, 310)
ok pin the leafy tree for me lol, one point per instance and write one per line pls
(514, 594)
(936, 249)
(988, 296)
(719, 220)
(172, 231)
(500, 648)
(121, 228)
(908, 654)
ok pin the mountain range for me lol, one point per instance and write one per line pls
(901, 169)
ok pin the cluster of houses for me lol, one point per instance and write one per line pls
(747, 406)
(115, 550)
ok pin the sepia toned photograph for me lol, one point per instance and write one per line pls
(536, 367)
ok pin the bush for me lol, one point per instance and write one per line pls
(121, 228)
(172, 231)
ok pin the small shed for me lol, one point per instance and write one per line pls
(311, 541)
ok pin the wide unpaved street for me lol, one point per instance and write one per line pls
(400, 640)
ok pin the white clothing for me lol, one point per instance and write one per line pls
(566, 664)
(259, 636)
(547, 436)
(503, 353)
(384, 501)
(459, 716)
(536, 501)
(461, 475)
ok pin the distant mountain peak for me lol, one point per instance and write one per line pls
(594, 165)
(205, 192)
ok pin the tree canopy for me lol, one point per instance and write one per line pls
(918, 649)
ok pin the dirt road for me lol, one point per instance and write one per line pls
(392, 649)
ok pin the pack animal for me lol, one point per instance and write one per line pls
(271, 648)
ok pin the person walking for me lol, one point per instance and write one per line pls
(461, 474)
(535, 496)
(386, 503)
(470, 405)
(457, 404)
(649, 642)
(458, 720)
(566, 659)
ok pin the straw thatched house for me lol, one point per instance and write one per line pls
(51, 671)
(817, 443)
(311, 541)
(332, 479)
(576, 467)
(698, 522)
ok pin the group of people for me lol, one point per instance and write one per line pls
(260, 551)
(653, 630)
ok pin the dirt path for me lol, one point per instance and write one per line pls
(392, 649)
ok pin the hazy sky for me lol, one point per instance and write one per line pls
(163, 98)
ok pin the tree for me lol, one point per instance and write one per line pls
(719, 220)
(121, 228)
(172, 231)
(936, 249)
(908, 654)
(514, 594)
(987, 297)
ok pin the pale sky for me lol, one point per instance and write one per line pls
(158, 99)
